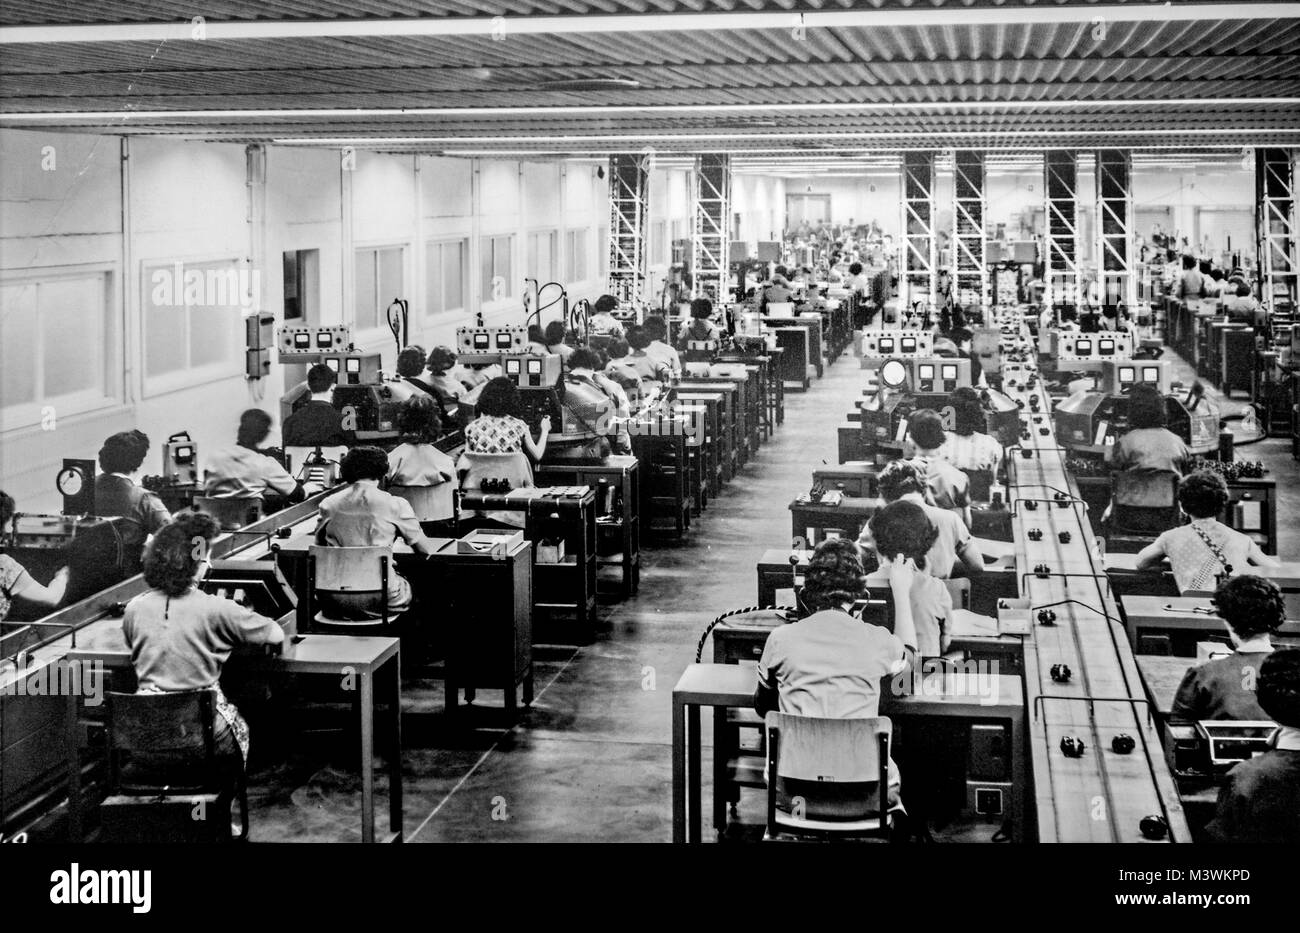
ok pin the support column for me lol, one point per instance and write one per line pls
(629, 185)
(970, 271)
(709, 244)
(1116, 280)
(1275, 231)
(1061, 190)
(918, 263)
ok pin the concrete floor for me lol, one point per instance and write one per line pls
(591, 761)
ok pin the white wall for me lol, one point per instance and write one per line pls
(192, 201)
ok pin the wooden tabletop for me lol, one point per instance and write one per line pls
(1162, 676)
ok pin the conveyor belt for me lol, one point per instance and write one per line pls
(1103, 795)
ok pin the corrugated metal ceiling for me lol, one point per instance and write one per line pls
(1044, 69)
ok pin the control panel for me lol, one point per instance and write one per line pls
(879, 344)
(532, 372)
(302, 343)
(1098, 346)
(483, 341)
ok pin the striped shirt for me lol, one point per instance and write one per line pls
(975, 451)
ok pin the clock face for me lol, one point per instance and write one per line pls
(70, 482)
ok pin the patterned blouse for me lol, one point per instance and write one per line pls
(490, 434)
(1194, 563)
(10, 573)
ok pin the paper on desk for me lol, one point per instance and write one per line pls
(967, 624)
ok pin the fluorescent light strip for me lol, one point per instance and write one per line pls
(698, 137)
(649, 110)
(505, 26)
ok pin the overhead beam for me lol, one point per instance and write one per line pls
(575, 24)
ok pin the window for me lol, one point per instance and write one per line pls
(541, 256)
(57, 345)
(498, 279)
(575, 256)
(193, 318)
(380, 277)
(445, 270)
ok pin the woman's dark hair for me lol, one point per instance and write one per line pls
(903, 528)
(124, 452)
(1189, 262)
(1203, 494)
(855, 268)
(1068, 313)
(897, 479)
(254, 426)
(925, 427)
(1204, 266)
(1243, 290)
(834, 575)
(320, 378)
(656, 327)
(410, 362)
(555, 333)
(419, 420)
(584, 358)
(1216, 274)
(7, 508)
(617, 349)
(1146, 408)
(536, 334)
(173, 557)
(1278, 688)
(363, 462)
(499, 397)
(701, 308)
(606, 303)
(638, 338)
(970, 418)
(1250, 605)
(441, 359)
(780, 270)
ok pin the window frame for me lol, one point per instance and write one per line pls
(442, 242)
(487, 253)
(188, 377)
(112, 392)
(380, 326)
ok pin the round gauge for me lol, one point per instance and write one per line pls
(70, 481)
(893, 374)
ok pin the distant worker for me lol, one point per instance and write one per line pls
(317, 423)
(243, 471)
(117, 495)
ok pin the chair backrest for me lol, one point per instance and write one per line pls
(349, 569)
(513, 466)
(981, 484)
(430, 503)
(230, 513)
(1145, 502)
(164, 732)
(959, 590)
(841, 751)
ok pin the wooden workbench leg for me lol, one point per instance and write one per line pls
(679, 772)
(693, 764)
(395, 803)
(366, 712)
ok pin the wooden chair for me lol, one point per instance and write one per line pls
(349, 571)
(1144, 503)
(827, 777)
(231, 514)
(430, 503)
(162, 747)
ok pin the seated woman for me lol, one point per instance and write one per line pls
(244, 472)
(1260, 800)
(180, 637)
(411, 365)
(902, 528)
(603, 323)
(496, 431)
(1149, 444)
(948, 487)
(16, 582)
(967, 447)
(554, 336)
(831, 664)
(1205, 549)
(1224, 688)
(416, 462)
(701, 327)
(363, 515)
(647, 367)
(450, 392)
